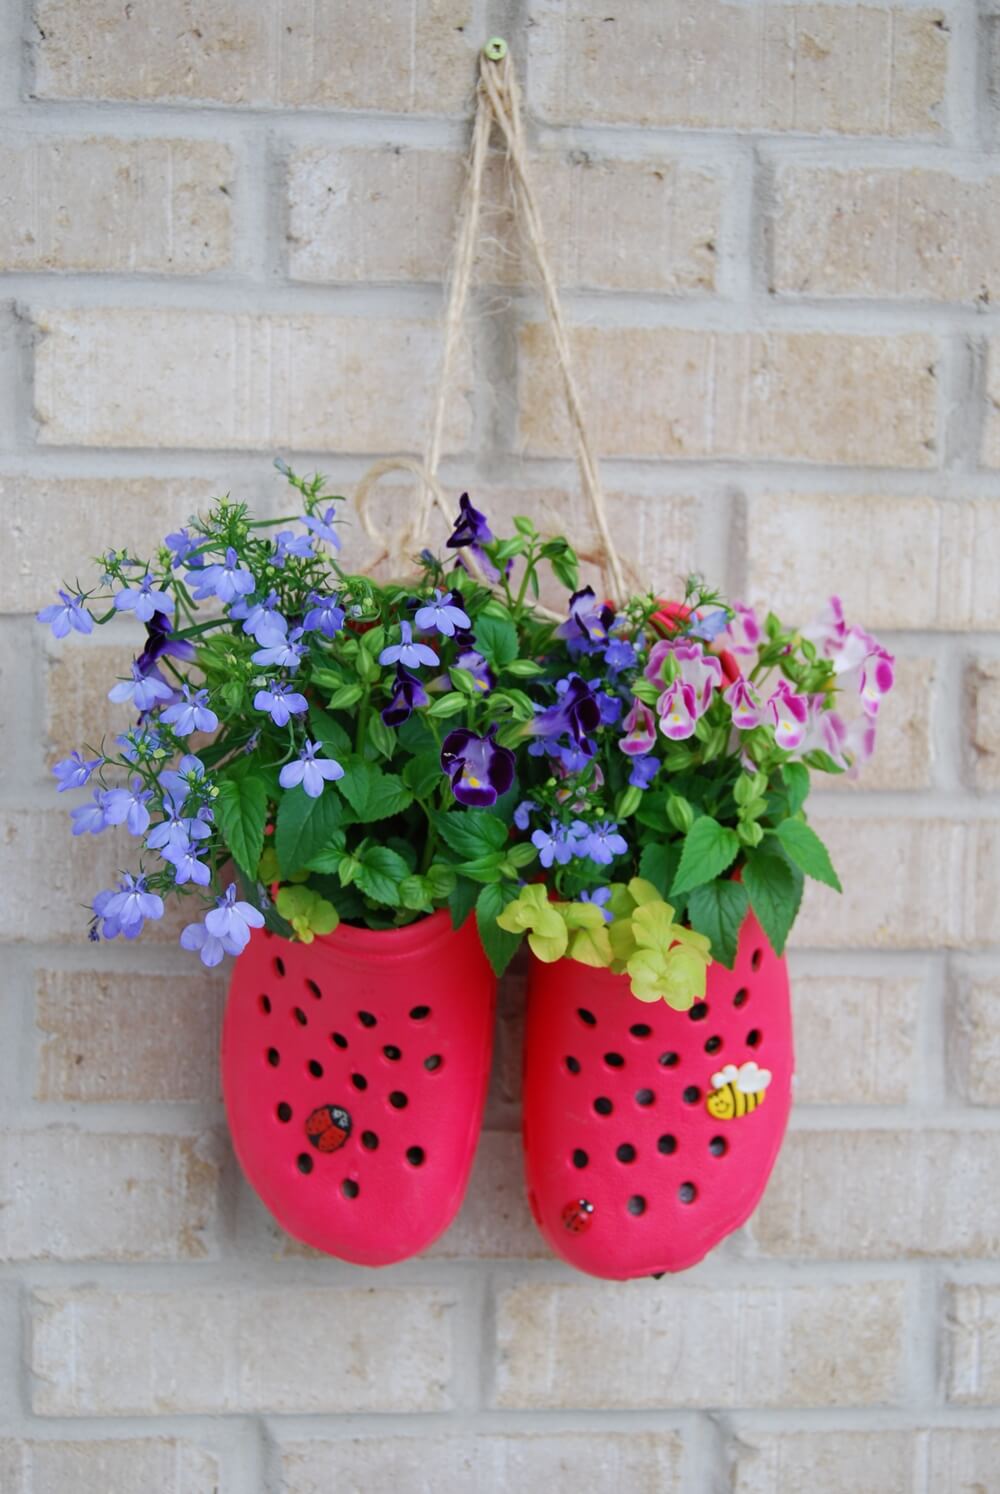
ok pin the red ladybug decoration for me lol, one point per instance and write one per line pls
(578, 1216)
(328, 1127)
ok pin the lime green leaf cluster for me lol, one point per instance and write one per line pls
(307, 912)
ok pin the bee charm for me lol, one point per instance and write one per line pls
(737, 1091)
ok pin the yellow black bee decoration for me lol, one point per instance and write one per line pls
(737, 1091)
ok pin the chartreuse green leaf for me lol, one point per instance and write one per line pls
(372, 794)
(241, 812)
(500, 944)
(775, 889)
(531, 913)
(803, 846)
(307, 912)
(708, 849)
(717, 910)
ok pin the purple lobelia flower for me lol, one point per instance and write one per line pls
(91, 819)
(324, 616)
(191, 714)
(644, 770)
(144, 691)
(286, 543)
(611, 707)
(745, 704)
(407, 652)
(127, 806)
(231, 921)
(789, 714)
(261, 620)
(577, 712)
(141, 744)
(144, 600)
(132, 905)
(280, 701)
(708, 625)
(407, 694)
(604, 844)
(187, 867)
(441, 615)
(479, 770)
(73, 772)
(522, 814)
(281, 652)
(211, 949)
(600, 897)
(554, 844)
(478, 668)
(178, 829)
(620, 654)
(322, 527)
(180, 544)
(226, 579)
(640, 730)
(310, 771)
(161, 642)
(678, 711)
(69, 612)
(589, 623)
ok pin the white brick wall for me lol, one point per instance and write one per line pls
(222, 235)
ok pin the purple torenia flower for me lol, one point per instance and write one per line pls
(311, 771)
(441, 615)
(73, 772)
(144, 600)
(644, 770)
(261, 620)
(280, 701)
(128, 806)
(322, 527)
(69, 612)
(576, 712)
(281, 652)
(604, 844)
(478, 668)
(407, 694)
(745, 704)
(472, 529)
(131, 905)
(91, 819)
(144, 691)
(522, 814)
(789, 714)
(160, 641)
(191, 714)
(407, 652)
(226, 579)
(232, 920)
(187, 867)
(640, 730)
(324, 616)
(600, 897)
(589, 622)
(289, 543)
(479, 770)
(677, 708)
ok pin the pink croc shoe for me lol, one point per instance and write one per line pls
(650, 1134)
(354, 1072)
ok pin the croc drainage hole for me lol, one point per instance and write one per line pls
(273, 1057)
(603, 1106)
(416, 1156)
(433, 1062)
(669, 1060)
(392, 1053)
(587, 1018)
(572, 1064)
(718, 1146)
(580, 1158)
(691, 1095)
(338, 1039)
(300, 1016)
(756, 958)
(644, 1097)
(265, 1005)
(753, 1037)
(667, 1145)
(369, 1141)
(359, 1081)
(304, 1163)
(687, 1193)
(366, 1019)
(419, 1013)
(742, 997)
(636, 1204)
(315, 1068)
(349, 1188)
(279, 965)
(699, 1011)
(314, 990)
(284, 1112)
(713, 1044)
(398, 1100)
(640, 1030)
(626, 1152)
(614, 1060)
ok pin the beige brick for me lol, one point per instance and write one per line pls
(389, 214)
(302, 1350)
(130, 377)
(920, 564)
(562, 1463)
(121, 1466)
(904, 753)
(982, 693)
(77, 710)
(608, 1346)
(123, 205)
(805, 396)
(991, 425)
(883, 1462)
(854, 1039)
(923, 235)
(971, 1347)
(54, 526)
(117, 1036)
(71, 1195)
(974, 1040)
(810, 68)
(877, 1195)
(494, 1220)
(411, 56)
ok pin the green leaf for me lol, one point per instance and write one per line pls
(462, 900)
(441, 880)
(810, 855)
(775, 890)
(451, 704)
(463, 680)
(423, 773)
(496, 640)
(470, 832)
(708, 849)
(241, 811)
(817, 758)
(482, 868)
(415, 893)
(500, 946)
(658, 864)
(345, 697)
(328, 860)
(525, 669)
(372, 794)
(796, 779)
(380, 873)
(717, 910)
(305, 827)
(382, 737)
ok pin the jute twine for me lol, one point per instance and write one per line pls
(497, 102)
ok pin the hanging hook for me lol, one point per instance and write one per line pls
(495, 49)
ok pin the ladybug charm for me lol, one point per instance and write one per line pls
(328, 1127)
(578, 1216)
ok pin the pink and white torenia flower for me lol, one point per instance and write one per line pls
(677, 708)
(640, 730)
(745, 704)
(744, 633)
(876, 679)
(703, 672)
(789, 714)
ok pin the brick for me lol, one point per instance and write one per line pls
(302, 1350)
(415, 56)
(388, 214)
(784, 396)
(971, 1344)
(923, 563)
(494, 1220)
(72, 1195)
(904, 754)
(119, 205)
(848, 1462)
(808, 68)
(120, 1466)
(130, 377)
(876, 1195)
(974, 1040)
(53, 526)
(117, 1036)
(605, 1346)
(78, 677)
(982, 694)
(562, 1463)
(854, 1039)
(909, 233)
(991, 424)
